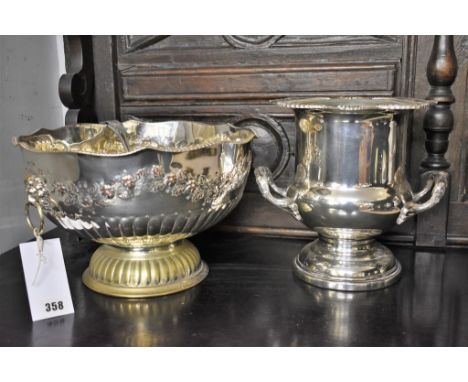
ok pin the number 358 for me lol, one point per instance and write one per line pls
(53, 306)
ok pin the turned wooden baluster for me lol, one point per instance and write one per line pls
(438, 123)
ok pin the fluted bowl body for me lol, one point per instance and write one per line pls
(164, 182)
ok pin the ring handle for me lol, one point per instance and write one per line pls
(38, 231)
(436, 184)
(265, 183)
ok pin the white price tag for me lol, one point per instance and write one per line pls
(47, 282)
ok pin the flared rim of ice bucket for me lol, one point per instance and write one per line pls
(98, 139)
(355, 104)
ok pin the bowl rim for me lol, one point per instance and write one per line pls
(355, 103)
(225, 133)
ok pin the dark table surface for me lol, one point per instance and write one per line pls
(250, 298)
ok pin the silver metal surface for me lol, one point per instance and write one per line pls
(350, 185)
(141, 186)
(355, 103)
(175, 180)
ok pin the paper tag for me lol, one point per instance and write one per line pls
(48, 288)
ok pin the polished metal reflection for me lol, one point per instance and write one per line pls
(345, 312)
(350, 185)
(140, 188)
(146, 322)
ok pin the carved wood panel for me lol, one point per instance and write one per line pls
(235, 78)
(457, 228)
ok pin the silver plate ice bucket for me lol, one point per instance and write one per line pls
(350, 186)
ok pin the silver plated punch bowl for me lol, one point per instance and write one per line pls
(140, 189)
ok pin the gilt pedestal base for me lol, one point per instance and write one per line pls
(135, 273)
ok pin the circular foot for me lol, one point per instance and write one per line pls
(131, 273)
(347, 265)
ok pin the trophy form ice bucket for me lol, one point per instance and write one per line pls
(140, 189)
(350, 186)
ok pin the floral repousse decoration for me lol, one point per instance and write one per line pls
(82, 195)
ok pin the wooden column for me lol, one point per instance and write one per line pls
(431, 229)
(106, 94)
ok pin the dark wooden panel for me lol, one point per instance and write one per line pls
(255, 83)
(457, 153)
(219, 51)
(458, 219)
(107, 106)
(147, 43)
(457, 228)
(234, 78)
(164, 69)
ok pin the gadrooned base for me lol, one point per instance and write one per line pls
(132, 273)
(347, 265)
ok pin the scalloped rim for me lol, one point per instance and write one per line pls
(368, 103)
(239, 136)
